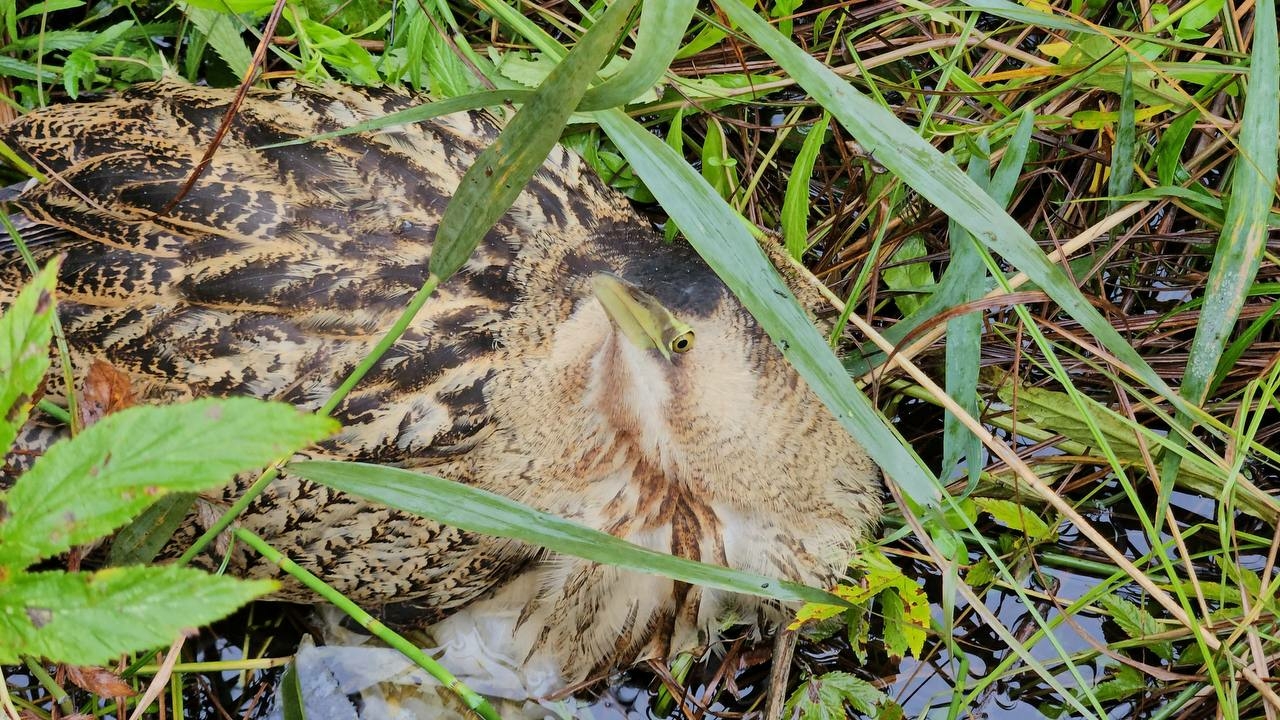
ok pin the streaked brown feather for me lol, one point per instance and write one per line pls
(282, 267)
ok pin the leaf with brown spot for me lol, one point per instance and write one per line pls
(99, 681)
(106, 390)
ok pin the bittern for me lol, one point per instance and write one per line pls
(577, 363)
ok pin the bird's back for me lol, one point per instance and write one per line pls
(277, 271)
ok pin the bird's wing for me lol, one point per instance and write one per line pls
(278, 270)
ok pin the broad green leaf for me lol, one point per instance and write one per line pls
(907, 274)
(795, 203)
(1124, 151)
(499, 173)
(292, 702)
(967, 273)
(142, 539)
(480, 511)
(1168, 154)
(1244, 234)
(1137, 623)
(825, 697)
(26, 329)
(938, 179)
(85, 487)
(662, 25)
(1017, 517)
(895, 625)
(90, 618)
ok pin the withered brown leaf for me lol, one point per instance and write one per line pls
(99, 681)
(106, 390)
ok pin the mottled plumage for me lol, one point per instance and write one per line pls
(281, 269)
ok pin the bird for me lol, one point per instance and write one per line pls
(577, 363)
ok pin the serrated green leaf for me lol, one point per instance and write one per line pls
(223, 33)
(83, 488)
(90, 618)
(480, 511)
(26, 329)
(23, 70)
(895, 624)
(79, 66)
(1126, 682)
(1018, 517)
(825, 697)
(1137, 623)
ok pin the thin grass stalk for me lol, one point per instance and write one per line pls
(471, 698)
(1086, 528)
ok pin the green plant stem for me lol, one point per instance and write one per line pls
(55, 411)
(473, 700)
(392, 335)
(219, 666)
(46, 681)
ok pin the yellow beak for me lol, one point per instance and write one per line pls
(644, 320)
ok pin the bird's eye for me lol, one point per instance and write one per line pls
(683, 342)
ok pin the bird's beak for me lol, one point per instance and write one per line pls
(636, 313)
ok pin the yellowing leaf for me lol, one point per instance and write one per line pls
(1055, 49)
(814, 612)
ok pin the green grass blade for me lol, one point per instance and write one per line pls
(500, 172)
(480, 511)
(1243, 238)
(937, 178)
(795, 203)
(964, 341)
(662, 25)
(721, 237)
(425, 111)
(1125, 149)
